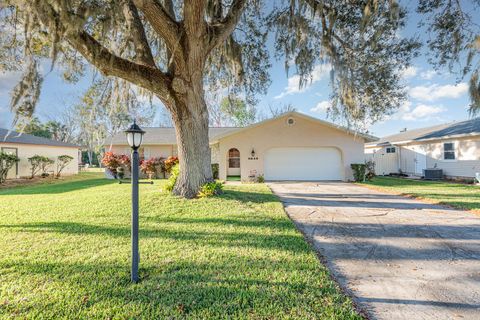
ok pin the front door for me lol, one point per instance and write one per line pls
(12, 173)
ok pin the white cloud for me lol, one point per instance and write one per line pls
(421, 112)
(427, 75)
(322, 106)
(293, 84)
(409, 72)
(435, 91)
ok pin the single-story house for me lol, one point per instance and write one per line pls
(292, 146)
(26, 145)
(452, 147)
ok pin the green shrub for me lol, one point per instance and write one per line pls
(215, 170)
(169, 163)
(7, 161)
(174, 172)
(261, 179)
(211, 189)
(358, 171)
(370, 170)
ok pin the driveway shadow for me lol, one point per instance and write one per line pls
(320, 200)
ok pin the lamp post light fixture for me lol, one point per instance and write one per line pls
(134, 139)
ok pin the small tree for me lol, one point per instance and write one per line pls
(7, 161)
(62, 162)
(35, 164)
(45, 163)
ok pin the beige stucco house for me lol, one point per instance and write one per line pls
(27, 145)
(452, 147)
(292, 146)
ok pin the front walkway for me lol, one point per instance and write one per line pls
(399, 258)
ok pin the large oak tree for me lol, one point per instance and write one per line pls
(174, 50)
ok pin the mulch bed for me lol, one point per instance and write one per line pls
(11, 183)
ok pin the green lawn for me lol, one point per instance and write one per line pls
(65, 251)
(453, 194)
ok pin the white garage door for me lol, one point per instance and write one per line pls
(303, 164)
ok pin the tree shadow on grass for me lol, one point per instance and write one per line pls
(185, 289)
(280, 224)
(205, 236)
(58, 188)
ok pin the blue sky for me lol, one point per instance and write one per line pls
(434, 97)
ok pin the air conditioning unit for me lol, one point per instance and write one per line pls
(432, 174)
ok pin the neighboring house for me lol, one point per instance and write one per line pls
(27, 145)
(452, 147)
(292, 146)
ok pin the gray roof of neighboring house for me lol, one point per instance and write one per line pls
(160, 136)
(9, 136)
(469, 127)
(441, 131)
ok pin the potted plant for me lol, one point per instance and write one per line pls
(150, 166)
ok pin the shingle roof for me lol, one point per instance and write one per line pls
(469, 127)
(25, 138)
(159, 136)
(441, 131)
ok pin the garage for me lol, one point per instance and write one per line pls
(295, 163)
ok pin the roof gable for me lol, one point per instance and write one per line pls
(303, 116)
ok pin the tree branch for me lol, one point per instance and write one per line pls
(137, 31)
(148, 77)
(164, 25)
(224, 29)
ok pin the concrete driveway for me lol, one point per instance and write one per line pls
(399, 258)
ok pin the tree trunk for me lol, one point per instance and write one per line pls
(191, 127)
(90, 157)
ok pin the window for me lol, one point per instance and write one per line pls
(290, 121)
(449, 151)
(233, 158)
(391, 150)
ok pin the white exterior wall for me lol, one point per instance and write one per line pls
(26, 151)
(215, 151)
(385, 163)
(467, 154)
(466, 164)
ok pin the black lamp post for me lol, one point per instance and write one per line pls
(134, 139)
